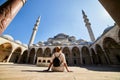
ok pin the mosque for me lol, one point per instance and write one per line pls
(105, 50)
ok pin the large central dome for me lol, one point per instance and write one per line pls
(62, 39)
(61, 36)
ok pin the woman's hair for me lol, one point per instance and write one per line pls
(58, 49)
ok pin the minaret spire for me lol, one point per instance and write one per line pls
(88, 25)
(34, 31)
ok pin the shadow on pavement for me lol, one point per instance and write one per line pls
(37, 71)
(103, 68)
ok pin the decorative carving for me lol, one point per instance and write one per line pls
(8, 11)
(5, 14)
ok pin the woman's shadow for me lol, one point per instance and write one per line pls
(36, 71)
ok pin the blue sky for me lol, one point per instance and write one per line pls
(58, 16)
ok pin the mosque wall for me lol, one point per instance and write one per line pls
(104, 51)
(107, 47)
(10, 51)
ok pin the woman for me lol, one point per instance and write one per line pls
(62, 59)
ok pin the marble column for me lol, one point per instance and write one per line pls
(113, 8)
(8, 11)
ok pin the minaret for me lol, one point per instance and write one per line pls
(34, 31)
(88, 25)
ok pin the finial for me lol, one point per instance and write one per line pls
(38, 20)
(39, 17)
(83, 12)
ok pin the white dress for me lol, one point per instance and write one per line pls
(62, 59)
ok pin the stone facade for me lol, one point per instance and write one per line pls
(104, 51)
(107, 47)
(11, 50)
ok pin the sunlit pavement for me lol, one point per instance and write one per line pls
(32, 72)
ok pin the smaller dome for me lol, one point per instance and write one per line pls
(8, 37)
(17, 41)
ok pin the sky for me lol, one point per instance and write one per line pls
(58, 16)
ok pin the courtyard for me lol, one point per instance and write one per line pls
(32, 72)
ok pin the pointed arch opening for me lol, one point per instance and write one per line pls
(112, 49)
(76, 56)
(31, 56)
(39, 54)
(15, 55)
(86, 59)
(66, 51)
(94, 57)
(101, 55)
(5, 50)
(47, 52)
(24, 56)
(53, 51)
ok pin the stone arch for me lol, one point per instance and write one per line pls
(24, 57)
(31, 56)
(66, 51)
(101, 55)
(94, 56)
(76, 56)
(5, 50)
(112, 49)
(15, 55)
(86, 59)
(47, 52)
(53, 51)
(39, 54)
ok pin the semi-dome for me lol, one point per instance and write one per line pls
(8, 37)
(80, 40)
(72, 38)
(17, 41)
(56, 42)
